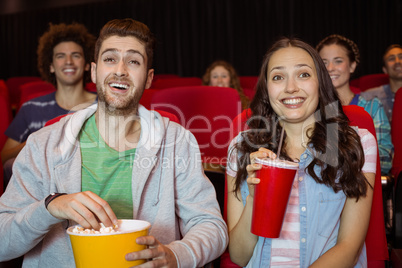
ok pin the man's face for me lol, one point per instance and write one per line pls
(121, 74)
(393, 63)
(68, 63)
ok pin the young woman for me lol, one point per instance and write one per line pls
(341, 57)
(222, 74)
(329, 209)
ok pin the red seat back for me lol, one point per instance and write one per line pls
(146, 97)
(248, 81)
(376, 241)
(396, 130)
(206, 111)
(373, 80)
(14, 83)
(91, 87)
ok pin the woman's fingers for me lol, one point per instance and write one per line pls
(262, 153)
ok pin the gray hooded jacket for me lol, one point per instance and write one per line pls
(169, 189)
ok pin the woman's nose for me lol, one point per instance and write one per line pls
(291, 86)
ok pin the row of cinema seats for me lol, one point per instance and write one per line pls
(207, 112)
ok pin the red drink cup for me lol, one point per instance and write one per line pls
(271, 196)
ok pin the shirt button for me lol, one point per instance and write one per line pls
(300, 178)
(303, 240)
(303, 209)
(304, 156)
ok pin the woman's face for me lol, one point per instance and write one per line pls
(293, 84)
(338, 64)
(220, 77)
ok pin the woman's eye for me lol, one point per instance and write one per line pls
(277, 77)
(304, 75)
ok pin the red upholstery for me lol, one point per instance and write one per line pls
(176, 82)
(248, 81)
(355, 83)
(35, 89)
(373, 80)
(171, 116)
(355, 90)
(249, 93)
(396, 130)
(146, 97)
(376, 243)
(14, 83)
(91, 87)
(4, 90)
(54, 120)
(207, 112)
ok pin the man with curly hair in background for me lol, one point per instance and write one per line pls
(65, 52)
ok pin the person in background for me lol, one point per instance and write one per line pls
(392, 65)
(113, 160)
(341, 57)
(64, 56)
(222, 74)
(328, 213)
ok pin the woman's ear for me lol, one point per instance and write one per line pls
(352, 67)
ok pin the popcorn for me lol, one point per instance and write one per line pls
(102, 230)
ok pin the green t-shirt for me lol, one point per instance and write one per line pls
(105, 171)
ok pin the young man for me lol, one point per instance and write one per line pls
(113, 160)
(64, 57)
(392, 61)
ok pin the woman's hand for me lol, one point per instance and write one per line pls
(253, 167)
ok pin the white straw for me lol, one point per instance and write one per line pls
(280, 143)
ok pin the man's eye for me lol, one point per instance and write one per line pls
(108, 60)
(136, 62)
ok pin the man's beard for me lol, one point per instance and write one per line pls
(119, 107)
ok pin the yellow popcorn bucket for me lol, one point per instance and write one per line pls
(108, 249)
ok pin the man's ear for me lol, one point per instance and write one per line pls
(87, 67)
(93, 72)
(384, 70)
(150, 77)
(51, 68)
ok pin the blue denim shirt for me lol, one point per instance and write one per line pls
(320, 211)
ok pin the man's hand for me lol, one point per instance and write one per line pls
(85, 208)
(159, 255)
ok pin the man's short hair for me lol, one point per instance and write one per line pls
(128, 27)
